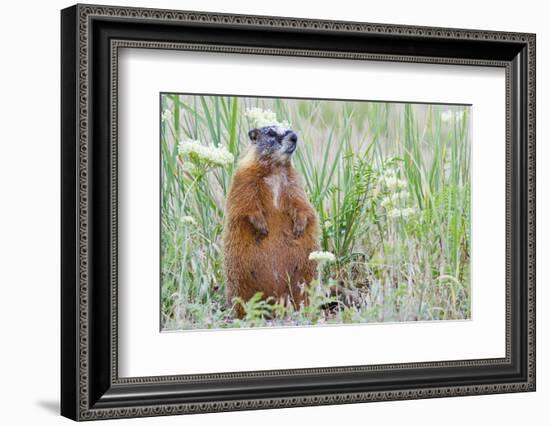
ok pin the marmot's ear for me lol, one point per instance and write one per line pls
(253, 135)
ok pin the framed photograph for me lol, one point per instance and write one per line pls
(263, 212)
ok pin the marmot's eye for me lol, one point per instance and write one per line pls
(271, 133)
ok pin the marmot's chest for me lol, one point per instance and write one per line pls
(278, 185)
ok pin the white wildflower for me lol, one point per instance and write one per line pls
(391, 182)
(397, 213)
(322, 256)
(409, 211)
(403, 195)
(217, 156)
(166, 115)
(264, 117)
(385, 175)
(327, 224)
(188, 220)
(394, 213)
(389, 174)
(386, 201)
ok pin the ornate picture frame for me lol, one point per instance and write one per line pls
(91, 37)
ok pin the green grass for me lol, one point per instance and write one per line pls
(391, 185)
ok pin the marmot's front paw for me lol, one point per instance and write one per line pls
(262, 231)
(299, 228)
(260, 225)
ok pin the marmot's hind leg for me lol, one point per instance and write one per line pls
(237, 311)
(240, 291)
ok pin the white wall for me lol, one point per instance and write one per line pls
(29, 211)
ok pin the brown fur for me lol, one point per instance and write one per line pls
(266, 247)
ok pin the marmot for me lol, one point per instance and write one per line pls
(270, 226)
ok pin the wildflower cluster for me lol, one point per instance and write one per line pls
(390, 180)
(397, 197)
(206, 155)
(322, 256)
(166, 115)
(188, 220)
(404, 212)
(264, 117)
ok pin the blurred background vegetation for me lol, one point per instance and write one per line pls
(391, 185)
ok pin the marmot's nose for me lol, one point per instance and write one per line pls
(293, 137)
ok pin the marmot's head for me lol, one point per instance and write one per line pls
(274, 144)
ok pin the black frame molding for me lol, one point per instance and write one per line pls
(91, 37)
